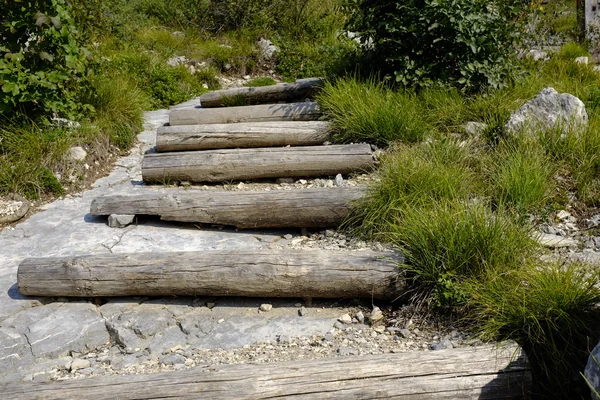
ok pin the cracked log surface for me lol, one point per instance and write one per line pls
(301, 89)
(252, 134)
(483, 373)
(242, 164)
(257, 273)
(305, 208)
(308, 111)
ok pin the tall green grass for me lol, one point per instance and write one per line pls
(548, 309)
(370, 111)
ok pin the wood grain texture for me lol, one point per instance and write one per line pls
(299, 90)
(241, 164)
(303, 208)
(249, 134)
(477, 373)
(252, 273)
(307, 111)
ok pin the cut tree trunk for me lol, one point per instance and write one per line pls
(249, 134)
(303, 208)
(477, 373)
(242, 164)
(252, 273)
(299, 90)
(308, 111)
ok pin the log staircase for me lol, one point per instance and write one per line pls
(223, 141)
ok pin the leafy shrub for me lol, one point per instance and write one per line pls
(369, 111)
(465, 43)
(42, 64)
(549, 310)
(451, 242)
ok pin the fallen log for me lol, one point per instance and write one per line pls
(307, 111)
(252, 273)
(242, 164)
(482, 373)
(299, 90)
(304, 208)
(249, 134)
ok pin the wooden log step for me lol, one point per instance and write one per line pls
(301, 89)
(242, 164)
(245, 134)
(303, 208)
(477, 373)
(252, 273)
(308, 111)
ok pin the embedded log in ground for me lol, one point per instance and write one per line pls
(478, 373)
(308, 111)
(299, 90)
(249, 134)
(241, 164)
(252, 273)
(303, 208)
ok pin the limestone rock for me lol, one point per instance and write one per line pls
(592, 371)
(582, 60)
(345, 319)
(267, 49)
(555, 241)
(537, 55)
(77, 153)
(473, 128)
(79, 363)
(177, 60)
(120, 220)
(265, 307)
(548, 109)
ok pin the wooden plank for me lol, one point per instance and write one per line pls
(248, 134)
(482, 373)
(307, 111)
(241, 164)
(302, 208)
(253, 273)
(299, 90)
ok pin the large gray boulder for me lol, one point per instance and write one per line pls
(548, 109)
(592, 371)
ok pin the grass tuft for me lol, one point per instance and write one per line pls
(262, 81)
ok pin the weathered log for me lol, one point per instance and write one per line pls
(482, 373)
(308, 111)
(299, 90)
(250, 134)
(253, 273)
(241, 164)
(304, 208)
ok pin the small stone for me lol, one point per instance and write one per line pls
(442, 344)
(379, 329)
(120, 220)
(302, 311)
(173, 359)
(79, 363)
(345, 319)
(339, 180)
(473, 128)
(220, 321)
(582, 60)
(405, 333)
(555, 241)
(288, 236)
(77, 153)
(210, 306)
(360, 317)
(563, 215)
(376, 316)
(338, 325)
(265, 307)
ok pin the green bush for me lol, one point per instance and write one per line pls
(572, 50)
(551, 312)
(42, 64)
(371, 112)
(464, 43)
(450, 242)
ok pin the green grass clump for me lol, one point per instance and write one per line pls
(572, 50)
(120, 106)
(369, 111)
(549, 310)
(522, 175)
(411, 176)
(262, 81)
(28, 155)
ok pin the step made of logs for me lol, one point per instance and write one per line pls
(302, 208)
(248, 134)
(252, 273)
(299, 90)
(467, 373)
(308, 111)
(241, 164)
